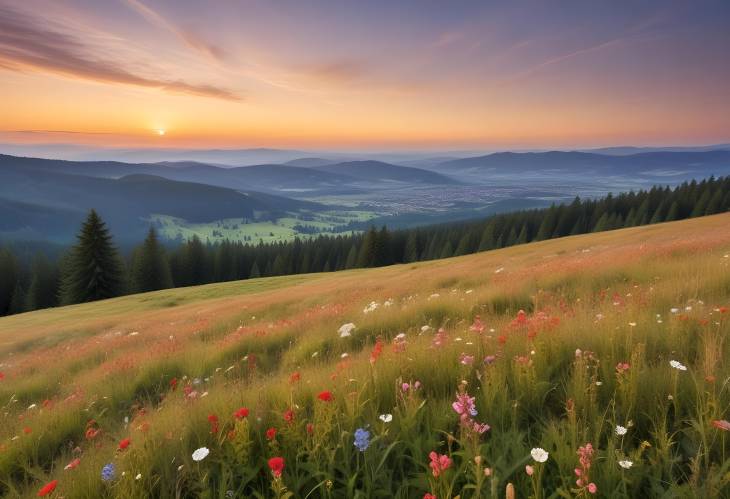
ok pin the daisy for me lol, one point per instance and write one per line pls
(200, 454)
(539, 454)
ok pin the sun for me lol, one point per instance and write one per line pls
(160, 132)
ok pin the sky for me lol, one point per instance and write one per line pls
(375, 74)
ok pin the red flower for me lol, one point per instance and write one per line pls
(428, 496)
(27, 430)
(295, 377)
(73, 464)
(2, 376)
(241, 413)
(325, 396)
(48, 488)
(721, 424)
(173, 384)
(124, 444)
(92, 433)
(276, 465)
(289, 416)
(310, 428)
(271, 434)
(213, 420)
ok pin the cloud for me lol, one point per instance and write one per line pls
(188, 36)
(30, 43)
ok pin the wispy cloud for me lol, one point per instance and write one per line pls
(188, 36)
(30, 43)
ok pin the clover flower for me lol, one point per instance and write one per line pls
(539, 454)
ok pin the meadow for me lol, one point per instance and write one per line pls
(586, 366)
(283, 229)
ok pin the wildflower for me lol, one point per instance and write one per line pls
(464, 405)
(346, 330)
(386, 418)
(325, 396)
(721, 424)
(213, 420)
(271, 434)
(466, 360)
(362, 439)
(539, 454)
(108, 472)
(477, 326)
(27, 430)
(276, 465)
(124, 444)
(173, 384)
(48, 488)
(439, 463)
(625, 464)
(677, 365)
(139, 475)
(200, 454)
(529, 470)
(73, 464)
(428, 496)
(289, 416)
(405, 387)
(241, 413)
(622, 367)
(480, 427)
(487, 472)
(489, 359)
(621, 430)
(310, 428)
(295, 376)
(592, 488)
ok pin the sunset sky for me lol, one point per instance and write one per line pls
(364, 73)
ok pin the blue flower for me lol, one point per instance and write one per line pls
(362, 439)
(108, 472)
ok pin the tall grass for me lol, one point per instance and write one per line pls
(562, 344)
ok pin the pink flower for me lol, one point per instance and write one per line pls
(464, 405)
(466, 360)
(428, 496)
(592, 488)
(477, 326)
(405, 387)
(529, 470)
(721, 424)
(439, 463)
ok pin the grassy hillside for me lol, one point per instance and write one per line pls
(562, 344)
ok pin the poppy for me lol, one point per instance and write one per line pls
(276, 464)
(48, 488)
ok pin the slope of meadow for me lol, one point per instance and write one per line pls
(608, 351)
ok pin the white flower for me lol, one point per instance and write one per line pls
(539, 454)
(344, 355)
(139, 475)
(386, 418)
(346, 330)
(626, 464)
(31, 407)
(200, 454)
(674, 310)
(620, 430)
(677, 365)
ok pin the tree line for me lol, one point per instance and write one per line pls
(93, 269)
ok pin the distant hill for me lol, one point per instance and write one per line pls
(378, 171)
(659, 164)
(47, 201)
(311, 162)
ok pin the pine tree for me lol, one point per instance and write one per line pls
(150, 269)
(43, 289)
(255, 272)
(410, 253)
(94, 269)
(9, 275)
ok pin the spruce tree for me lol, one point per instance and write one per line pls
(9, 275)
(150, 268)
(43, 289)
(94, 269)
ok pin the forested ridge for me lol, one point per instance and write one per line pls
(93, 269)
